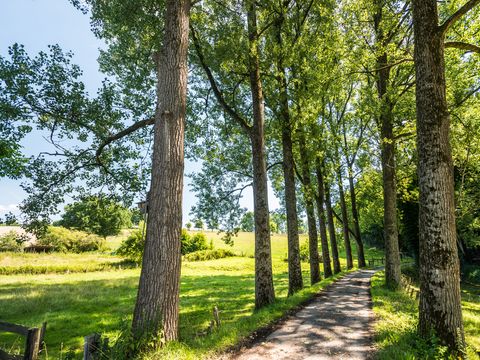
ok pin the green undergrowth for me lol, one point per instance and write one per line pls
(396, 325)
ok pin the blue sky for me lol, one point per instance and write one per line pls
(38, 23)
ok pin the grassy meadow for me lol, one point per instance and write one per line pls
(77, 303)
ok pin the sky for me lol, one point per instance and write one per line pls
(39, 23)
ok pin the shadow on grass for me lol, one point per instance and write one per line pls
(396, 334)
(74, 308)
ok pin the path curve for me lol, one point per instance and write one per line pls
(336, 325)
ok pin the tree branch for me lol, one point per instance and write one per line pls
(462, 46)
(269, 167)
(218, 94)
(457, 16)
(341, 220)
(119, 135)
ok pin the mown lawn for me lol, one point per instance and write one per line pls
(78, 304)
(397, 318)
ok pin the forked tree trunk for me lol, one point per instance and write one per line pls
(331, 230)
(157, 305)
(264, 292)
(295, 280)
(327, 268)
(356, 223)
(346, 233)
(387, 141)
(308, 198)
(440, 306)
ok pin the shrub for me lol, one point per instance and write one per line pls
(304, 252)
(12, 241)
(132, 247)
(203, 255)
(191, 243)
(63, 239)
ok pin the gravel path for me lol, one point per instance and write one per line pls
(336, 325)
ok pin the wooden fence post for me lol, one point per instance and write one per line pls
(33, 344)
(91, 346)
(216, 316)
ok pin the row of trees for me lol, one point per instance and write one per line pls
(316, 97)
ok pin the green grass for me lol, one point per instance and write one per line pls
(78, 304)
(397, 318)
(27, 263)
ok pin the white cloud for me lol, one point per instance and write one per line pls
(8, 207)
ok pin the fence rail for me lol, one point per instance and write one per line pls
(33, 341)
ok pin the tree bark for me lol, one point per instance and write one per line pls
(440, 302)
(264, 291)
(308, 198)
(331, 230)
(327, 269)
(157, 305)
(346, 233)
(295, 280)
(356, 223)
(392, 252)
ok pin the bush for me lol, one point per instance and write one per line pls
(66, 240)
(203, 255)
(304, 252)
(12, 241)
(132, 248)
(193, 243)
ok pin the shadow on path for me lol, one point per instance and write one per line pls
(336, 325)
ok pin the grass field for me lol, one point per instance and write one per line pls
(397, 317)
(78, 304)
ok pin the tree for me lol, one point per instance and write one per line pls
(96, 215)
(384, 37)
(440, 307)
(188, 225)
(255, 131)
(331, 230)
(247, 223)
(320, 200)
(295, 280)
(157, 305)
(10, 219)
(308, 196)
(198, 224)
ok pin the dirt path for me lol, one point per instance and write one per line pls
(336, 325)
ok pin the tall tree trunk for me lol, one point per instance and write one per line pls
(356, 224)
(157, 305)
(392, 252)
(295, 280)
(327, 269)
(308, 197)
(440, 307)
(264, 291)
(346, 233)
(331, 230)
